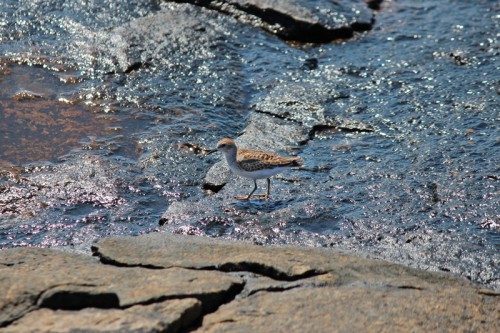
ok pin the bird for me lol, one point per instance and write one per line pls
(254, 164)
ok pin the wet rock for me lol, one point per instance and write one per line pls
(217, 176)
(310, 64)
(357, 310)
(310, 104)
(65, 281)
(304, 103)
(170, 33)
(304, 21)
(287, 117)
(88, 179)
(27, 95)
(167, 316)
(182, 210)
(193, 148)
(374, 4)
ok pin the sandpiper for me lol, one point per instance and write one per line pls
(254, 164)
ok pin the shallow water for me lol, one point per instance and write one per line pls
(421, 187)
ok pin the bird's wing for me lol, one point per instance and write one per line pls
(256, 159)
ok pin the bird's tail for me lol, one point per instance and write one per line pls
(296, 162)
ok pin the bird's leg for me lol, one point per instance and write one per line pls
(239, 197)
(265, 196)
(268, 187)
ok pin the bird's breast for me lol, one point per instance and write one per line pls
(257, 173)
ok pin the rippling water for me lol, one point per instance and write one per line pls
(90, 133)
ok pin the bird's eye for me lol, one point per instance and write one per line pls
(222, 146)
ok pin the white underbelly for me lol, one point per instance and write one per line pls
(259, 174)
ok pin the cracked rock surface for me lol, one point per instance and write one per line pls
(42, 278)
(167, 316)
(175, 283)
(354, 310)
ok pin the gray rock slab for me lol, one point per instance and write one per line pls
(358, 310)
(255, 283)
(168, 316)
(275, 134)
(32, 278)
(308, 103)
(164, 250)
(89, 179)
(303, 102)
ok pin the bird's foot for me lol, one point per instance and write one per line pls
(242, 198)
(246, 198)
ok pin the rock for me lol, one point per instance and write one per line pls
(309, 104)
(163, 250)
(179, 31)
(303, 103)
(358, 310)
(305, 21)
(328, 288)
(217, 176)
(71, 282)
(165, 283)
(310, 64)
(219, 179)
(256, 283)
(374, 4)
(180, 210)
(284, 119)
(86, 180)
(168, 316)
(290, 115)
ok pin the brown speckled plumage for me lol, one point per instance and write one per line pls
(252, 160)
(254, 164)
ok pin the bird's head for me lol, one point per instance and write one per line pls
(225, 146)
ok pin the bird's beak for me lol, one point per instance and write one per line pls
(208, 152)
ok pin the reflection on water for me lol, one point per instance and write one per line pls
(41, 118)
